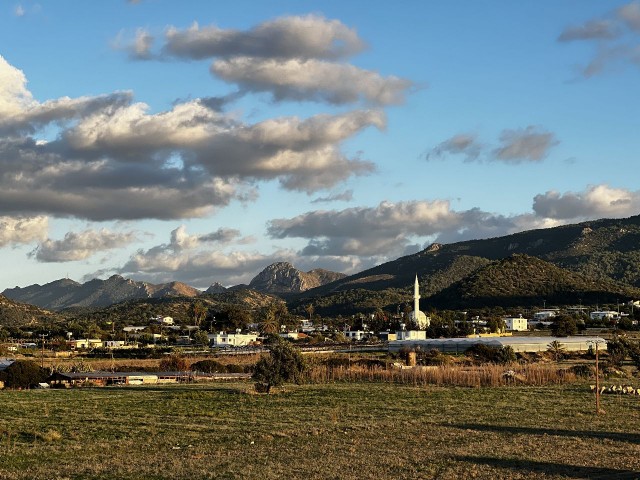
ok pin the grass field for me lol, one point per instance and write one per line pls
(331, 431)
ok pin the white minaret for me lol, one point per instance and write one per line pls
(416, 296)
(421, 320)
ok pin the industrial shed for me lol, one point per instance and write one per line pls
(118, 378)
(519, 344)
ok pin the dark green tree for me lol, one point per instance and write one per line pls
(23, 374)
(564, 326)
(283, 364)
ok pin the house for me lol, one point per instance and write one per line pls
(113, 344)
(516, 324)
(223, 339)
(387, 336)
(162, 320)
(133, 329)
(85, 343)
(603, 315)
(543, 315)
(411, 335)
(356, 334)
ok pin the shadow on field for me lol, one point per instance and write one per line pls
(570, 471)
(616, 436)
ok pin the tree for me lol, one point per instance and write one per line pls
(564, 326)
(23, 374)
(556, 348)
(283, 364)
(201, 338)
(198, 312)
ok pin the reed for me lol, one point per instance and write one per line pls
(445, 375)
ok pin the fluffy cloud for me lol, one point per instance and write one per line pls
(296, 79)
(22, 230)
(112, 159)
(81, 245)
(531, 144)
(292, 58)
(189, 258)
(595, 202)
(388, 228)
(309, 36)
(616, 37)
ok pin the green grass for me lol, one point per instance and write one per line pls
(335, 431)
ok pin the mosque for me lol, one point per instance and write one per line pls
(420, 319)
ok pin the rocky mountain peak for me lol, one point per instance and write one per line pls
(282, 277)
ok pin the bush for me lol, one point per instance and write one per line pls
(23, 374)
(284, 364)
(583, 370)
(208, 366)
(174, 363)
(487, 354)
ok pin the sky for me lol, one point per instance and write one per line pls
(201, 141)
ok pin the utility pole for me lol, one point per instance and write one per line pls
(42, 336)
(598, 410)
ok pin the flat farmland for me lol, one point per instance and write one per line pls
(326, 431)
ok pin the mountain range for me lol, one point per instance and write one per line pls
(594, 261)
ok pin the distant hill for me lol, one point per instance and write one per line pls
(66, 293)
(524, 280)
(606, 249)
(284, 278)
(15, 314)
(140, 311)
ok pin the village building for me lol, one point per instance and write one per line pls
(223, 339)
(604, 315)
(516, 324)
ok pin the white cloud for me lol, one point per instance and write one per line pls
(596, 201)
(310, 36)
(81, 245)
(113, 159)
(296, 79)
(22, 230)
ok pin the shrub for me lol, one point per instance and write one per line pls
(23, 374)
(284, 364)
(208, 366)
(233, 368)
(173, 363)
(488, 354)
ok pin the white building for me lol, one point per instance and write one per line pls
(355, 334)
(420, 319)
(402, 335)
(163, 320)
(223, 339)
(603, 315)
(543, 315)
(516, 324)
(85, 343)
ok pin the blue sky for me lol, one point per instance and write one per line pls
(202, 141)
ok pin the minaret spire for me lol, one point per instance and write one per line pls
(416, 297)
